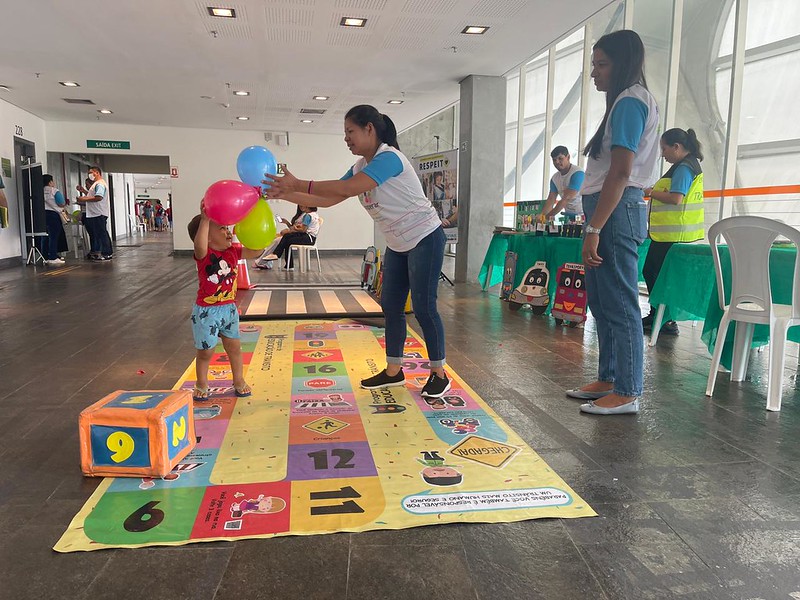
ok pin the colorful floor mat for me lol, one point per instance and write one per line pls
(326, 302)
(310, 452)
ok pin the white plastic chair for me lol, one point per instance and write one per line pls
(304, 251)
(749, 242)
(136, 224)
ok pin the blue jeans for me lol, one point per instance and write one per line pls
(417, 270)
(613, 292)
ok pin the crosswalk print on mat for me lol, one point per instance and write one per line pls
(320, 302)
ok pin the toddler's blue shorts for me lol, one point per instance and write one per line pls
(211, 322)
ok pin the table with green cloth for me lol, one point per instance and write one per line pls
(554, 250)
(687, 286)
(530, 248)
(685, 283)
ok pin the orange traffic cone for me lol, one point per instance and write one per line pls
(242, 276)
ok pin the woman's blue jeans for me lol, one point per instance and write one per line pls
(416, 270)
(613, 292)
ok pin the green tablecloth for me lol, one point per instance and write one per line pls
(687, 287)
(555, 251)
(685, 283)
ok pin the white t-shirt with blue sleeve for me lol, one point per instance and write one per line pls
(632, 124)
(100, 208)
(311, 221)
(571, 180)
(398, 206)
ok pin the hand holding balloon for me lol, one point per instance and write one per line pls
(278, 187)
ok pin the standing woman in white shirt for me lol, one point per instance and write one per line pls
(391, 193)
(622, 159)
(54, 202)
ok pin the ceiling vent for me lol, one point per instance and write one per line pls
(77, 101)
(312, 111)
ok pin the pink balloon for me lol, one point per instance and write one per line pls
(227, 202)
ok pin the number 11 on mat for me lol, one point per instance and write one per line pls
(335, 504)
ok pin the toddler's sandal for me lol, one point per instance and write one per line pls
(199, 394)
(243, 392)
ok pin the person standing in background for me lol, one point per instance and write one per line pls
(54, 203)
(566, 182)
(97, 213)
(676, 208)
(3, 204)
(3, 199)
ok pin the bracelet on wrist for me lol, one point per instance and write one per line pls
(310, 185)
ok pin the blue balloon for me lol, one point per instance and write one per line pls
(253, 162)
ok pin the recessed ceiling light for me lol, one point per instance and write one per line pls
(306, 121)
(70, 84)
(207, 97)
(321, 97)
(216, 11)
(243, 118)
(5, 88)
(352, 22)
(105, 111)
(395, 101)
(475, 29)
(241, 93)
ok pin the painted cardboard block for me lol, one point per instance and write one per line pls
(136, 433)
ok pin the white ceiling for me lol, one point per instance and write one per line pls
(151, 61)
(152, 182)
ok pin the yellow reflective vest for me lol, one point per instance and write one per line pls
(683, 222)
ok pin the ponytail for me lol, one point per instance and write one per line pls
(390, 134)
(363, 114)
(687, 139)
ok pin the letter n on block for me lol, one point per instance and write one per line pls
(137, 433)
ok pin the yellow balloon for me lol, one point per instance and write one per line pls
(257, 229)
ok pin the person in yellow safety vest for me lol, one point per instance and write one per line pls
(676, 208)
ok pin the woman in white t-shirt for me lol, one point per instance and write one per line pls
(391, 193)
(54, 203)
(303, 232)
(622, 159)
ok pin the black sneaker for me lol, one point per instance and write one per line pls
(436, 387)
(647, 322)
(382, 380)
(670, 328)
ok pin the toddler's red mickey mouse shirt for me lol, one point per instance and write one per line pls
(216, 273)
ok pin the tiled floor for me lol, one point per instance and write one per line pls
(697, 499)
